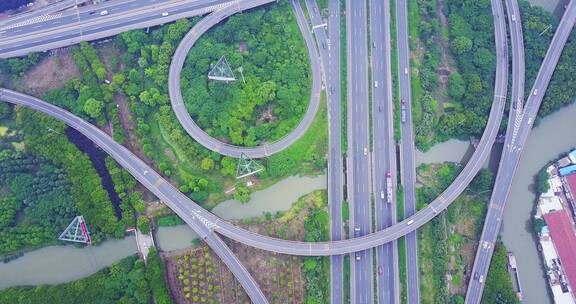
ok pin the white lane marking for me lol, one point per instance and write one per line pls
(34, 20)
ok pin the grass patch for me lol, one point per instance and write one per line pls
(394, 59)
(346, 279)
(402, 270)
(343, 79)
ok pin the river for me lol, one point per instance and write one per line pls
(58, 264)
(278, 197)
(553, 136)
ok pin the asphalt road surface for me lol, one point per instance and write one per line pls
(86, 24)
(383, 150)
(407, 155)
(328, 45)
(335, 165)
(358, 156)
(514, 144)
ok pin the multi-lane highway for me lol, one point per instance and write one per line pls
(407, 149)
(39, 12)
(517, 134)
(358, 156)
(335, 165)
(90, 23)
(329, 47)
(383, 150)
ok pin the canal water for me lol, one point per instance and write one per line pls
(553, 136)
(278, 197)
(58, 264)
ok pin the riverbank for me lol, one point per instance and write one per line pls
(554, 226)
(66, 263)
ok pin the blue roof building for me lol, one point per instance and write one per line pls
(567, 170)
(572, 156)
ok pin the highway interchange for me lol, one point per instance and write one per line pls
(516, 137)
(203, 222)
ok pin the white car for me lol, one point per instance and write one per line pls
(164, 14)
(376, 84)
(104, 13)
(406, 71)
(365, 151)
(410, 222)
(382, 194)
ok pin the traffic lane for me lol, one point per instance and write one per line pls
(381, 140)
(362, 220)
(474, 289)
(511, 158)
(59, 26)
(74, 35)
(408, 165)
(335, 161)
(83, 14)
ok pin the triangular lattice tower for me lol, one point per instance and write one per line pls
(76, 232)
(247, 166)
(222, 71)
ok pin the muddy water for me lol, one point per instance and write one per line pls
(554, 136)
(278, 197)
(57, 264)
(549, 5)
(453, 150)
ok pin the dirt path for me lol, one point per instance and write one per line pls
(50, 73)
(447, 63)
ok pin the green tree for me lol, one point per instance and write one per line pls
(143, 224)
(461, 45)
(207, 164)
(93, 107)
(229, 165)
(242, 194)
(542, 184)
(456, 86)
(5, 110)
(483, 181)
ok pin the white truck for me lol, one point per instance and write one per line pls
(388, 188)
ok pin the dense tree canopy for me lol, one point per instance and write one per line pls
(270, 94)
(128, 282)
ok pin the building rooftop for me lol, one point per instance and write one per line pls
(567, 170)
(564, 238)
(571, 181)
(572, 156)
(550, 204)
